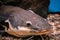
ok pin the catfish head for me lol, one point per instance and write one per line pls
(20, 19)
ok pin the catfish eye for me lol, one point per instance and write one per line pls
(28, 23)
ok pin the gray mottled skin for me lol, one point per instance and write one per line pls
(19, 16)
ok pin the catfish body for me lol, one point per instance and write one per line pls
(19, 17)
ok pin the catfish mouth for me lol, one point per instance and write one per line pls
(23, 28)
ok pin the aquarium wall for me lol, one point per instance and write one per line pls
(54, 6)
